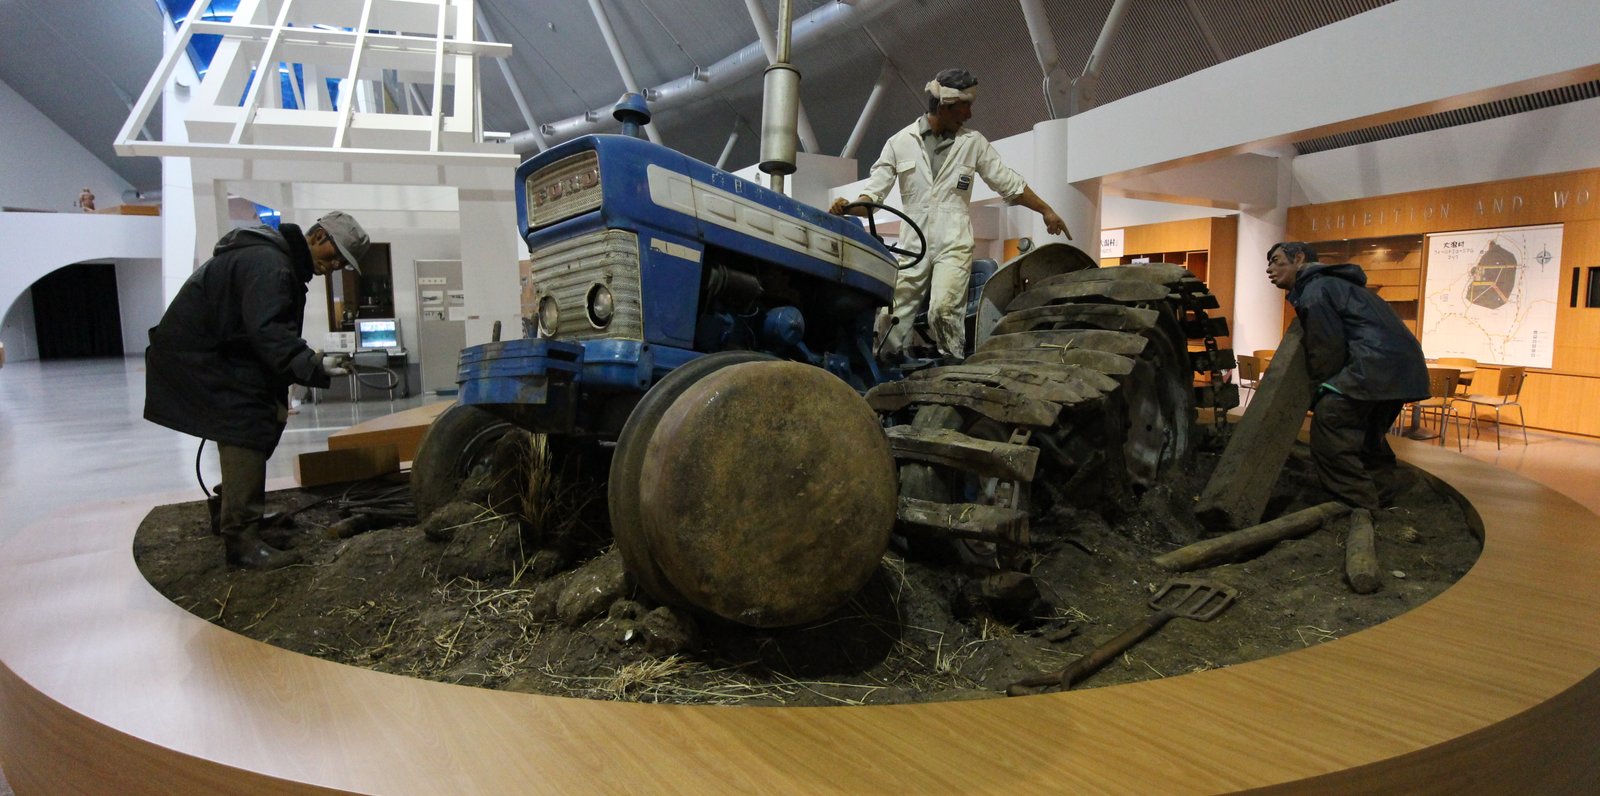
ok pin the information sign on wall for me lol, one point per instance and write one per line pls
(1111, 241)
(1491, 295)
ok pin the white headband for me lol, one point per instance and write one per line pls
(948, 95)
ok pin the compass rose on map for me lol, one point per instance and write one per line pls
(1543, 257)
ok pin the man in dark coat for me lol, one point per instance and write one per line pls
(1365, 365)
(221, 360)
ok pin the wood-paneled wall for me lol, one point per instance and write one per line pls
(1219, 237)
(1555, 398)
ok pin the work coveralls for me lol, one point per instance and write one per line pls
(938, 204)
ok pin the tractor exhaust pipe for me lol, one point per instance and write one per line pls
(780, 108)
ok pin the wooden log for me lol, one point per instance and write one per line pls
(1230, 546)
(1238, 491)
(963, 521)
(1360, 554)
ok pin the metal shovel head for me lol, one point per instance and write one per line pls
(1200, 600)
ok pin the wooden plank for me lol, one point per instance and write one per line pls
(954, 449)
(403, 430)
(1121, 291)
(1121, 343)
(317, 468)
(997, 404)
(963, 521)
(1238, 490)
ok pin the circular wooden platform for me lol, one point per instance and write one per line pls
(1492, 687)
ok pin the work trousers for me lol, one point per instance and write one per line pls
(1350, 447)
(942, 276)
(244, 488)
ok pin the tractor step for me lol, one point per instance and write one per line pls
(954, 449)
(963, 521)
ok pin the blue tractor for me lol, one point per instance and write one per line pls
(704, 346)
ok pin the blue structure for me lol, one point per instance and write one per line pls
(644, 259)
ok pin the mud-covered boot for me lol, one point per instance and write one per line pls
(245, 550)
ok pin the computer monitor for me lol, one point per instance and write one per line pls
(377, 334)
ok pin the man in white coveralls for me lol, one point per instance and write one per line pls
(933, 160)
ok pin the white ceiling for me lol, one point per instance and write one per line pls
(81, 61)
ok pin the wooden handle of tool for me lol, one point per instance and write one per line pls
(1091, 663)
(1081, 668)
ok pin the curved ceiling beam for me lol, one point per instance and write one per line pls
(827, 21)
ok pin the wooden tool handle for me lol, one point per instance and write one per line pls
(1081, 668)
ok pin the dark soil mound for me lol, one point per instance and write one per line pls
(480, 597)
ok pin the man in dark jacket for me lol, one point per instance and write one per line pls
(221, 360)
(1364, 362)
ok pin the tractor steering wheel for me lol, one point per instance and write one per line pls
(872, 228)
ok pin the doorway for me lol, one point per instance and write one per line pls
(76, 314)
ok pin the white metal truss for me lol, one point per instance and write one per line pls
(378, 54)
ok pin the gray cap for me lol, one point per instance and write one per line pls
(347, 236)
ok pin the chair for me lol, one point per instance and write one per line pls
(1464, 364)
(1506, 393)
(1442, 383)
(371, 369)
(1249, 373)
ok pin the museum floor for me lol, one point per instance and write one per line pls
(71, 431)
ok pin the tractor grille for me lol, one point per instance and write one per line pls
(570, 269)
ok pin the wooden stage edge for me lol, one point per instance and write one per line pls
(1493, 687)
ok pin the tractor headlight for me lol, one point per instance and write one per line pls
(601, 306)
(549, 316)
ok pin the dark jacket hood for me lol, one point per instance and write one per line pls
(287, 238)
(1347, 271)
(246, 237)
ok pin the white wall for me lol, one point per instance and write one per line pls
(41, 167)
(16, 329)
(1397, 61)
(1547, 141)
(139, 300)
(34, 244)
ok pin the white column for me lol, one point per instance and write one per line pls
(1257, 305)
(490, 250)
(1078, 203)
(178, 249)
(177, 225)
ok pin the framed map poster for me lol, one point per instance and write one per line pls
(1490, 294)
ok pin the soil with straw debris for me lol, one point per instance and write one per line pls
(504, 590)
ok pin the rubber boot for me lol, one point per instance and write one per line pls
(245, 550)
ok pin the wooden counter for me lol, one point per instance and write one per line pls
(1490, 688)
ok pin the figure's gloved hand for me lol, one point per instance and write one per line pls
(837, 208)
(333, 365)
